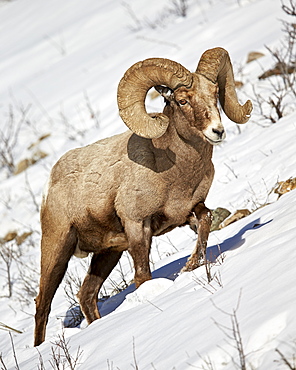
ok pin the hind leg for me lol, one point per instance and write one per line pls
(101, 266)
(203, 220)
(56, 251)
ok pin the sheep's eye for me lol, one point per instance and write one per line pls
(182, 101)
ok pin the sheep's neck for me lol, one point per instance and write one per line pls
(195, 147)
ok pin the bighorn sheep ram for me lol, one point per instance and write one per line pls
(117, 193)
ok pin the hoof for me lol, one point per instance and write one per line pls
(191, 265)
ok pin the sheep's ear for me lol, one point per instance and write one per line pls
(165, 92)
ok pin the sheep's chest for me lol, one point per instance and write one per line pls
(167, 197)
(183, 196)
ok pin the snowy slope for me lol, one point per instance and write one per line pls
(60, 66)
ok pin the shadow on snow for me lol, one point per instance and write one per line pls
(169, 271)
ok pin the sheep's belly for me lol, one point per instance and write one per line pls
(96, 240)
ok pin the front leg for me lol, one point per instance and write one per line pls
(202, 223)
(139, 237)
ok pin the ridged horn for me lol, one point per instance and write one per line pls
(216, 66)
(133, 87)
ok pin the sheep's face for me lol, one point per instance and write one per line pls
(198, 106)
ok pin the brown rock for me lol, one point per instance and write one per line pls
(253, 55)
(43, 137)
(21, 238)
(238, 84)
(9, 236)
(153, 94)
(279, 69)
(285, 186)
(241, 213)
(219, 215)
(27, 162)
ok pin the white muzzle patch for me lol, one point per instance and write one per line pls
(215, 133)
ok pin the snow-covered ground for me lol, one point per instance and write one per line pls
(60, 66)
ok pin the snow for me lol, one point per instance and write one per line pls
(60, 66)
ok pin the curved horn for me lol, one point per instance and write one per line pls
(133, 87)
(216, 66)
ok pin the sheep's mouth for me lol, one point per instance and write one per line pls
(213, 142)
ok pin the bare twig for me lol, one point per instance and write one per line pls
(2, 362)
(134, 355)
(285, 360)
(233, 333)
(31, 192)
(42, 366)
(6, 253)
(9, 136)
(60, 352)
(14, 353)
(9, 328)
(94, 114)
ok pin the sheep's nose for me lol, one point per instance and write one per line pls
(219, 133)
